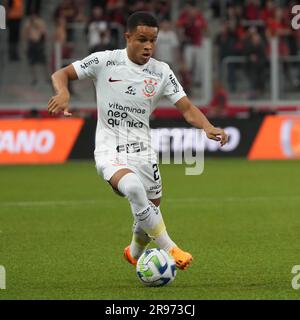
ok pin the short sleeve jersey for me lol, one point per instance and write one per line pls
(127, 94)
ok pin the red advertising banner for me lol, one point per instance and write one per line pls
(27, 141)
(277, 138)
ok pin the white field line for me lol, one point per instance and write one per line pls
(169, 200)
(236, 199)
(47, 203)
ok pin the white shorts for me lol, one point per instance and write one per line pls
(147, 172)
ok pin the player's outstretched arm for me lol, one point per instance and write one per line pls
(60, 80)
(197, 119)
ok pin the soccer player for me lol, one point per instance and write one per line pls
(129, 84)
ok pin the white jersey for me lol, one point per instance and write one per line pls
(127, 94)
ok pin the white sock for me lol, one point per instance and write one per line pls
(131, 186)
(139, 242)
(163, 240)
(144, 211)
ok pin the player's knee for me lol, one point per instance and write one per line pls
(116, 191)
(135, 190)
(131, 186)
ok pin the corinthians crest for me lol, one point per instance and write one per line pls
(149, 89)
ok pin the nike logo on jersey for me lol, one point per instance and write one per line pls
(113, 80)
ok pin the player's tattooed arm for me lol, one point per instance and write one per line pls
(60, 80)
(197, 119)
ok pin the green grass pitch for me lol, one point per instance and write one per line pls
(62, 232)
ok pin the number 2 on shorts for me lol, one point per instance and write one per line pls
(155, 173)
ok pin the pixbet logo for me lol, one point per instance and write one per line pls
(296, 19)
(2, 278)
(2, 18)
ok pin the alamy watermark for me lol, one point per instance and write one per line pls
(174, 145)
(296, 278)
(296, 19)
(2, 18)
(2, 278)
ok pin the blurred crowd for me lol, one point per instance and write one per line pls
(244, 31)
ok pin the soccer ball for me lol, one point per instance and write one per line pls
(156, 268)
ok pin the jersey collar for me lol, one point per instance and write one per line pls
(132, 64)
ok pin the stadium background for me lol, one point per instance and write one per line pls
(239, 62)
(235, 59)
